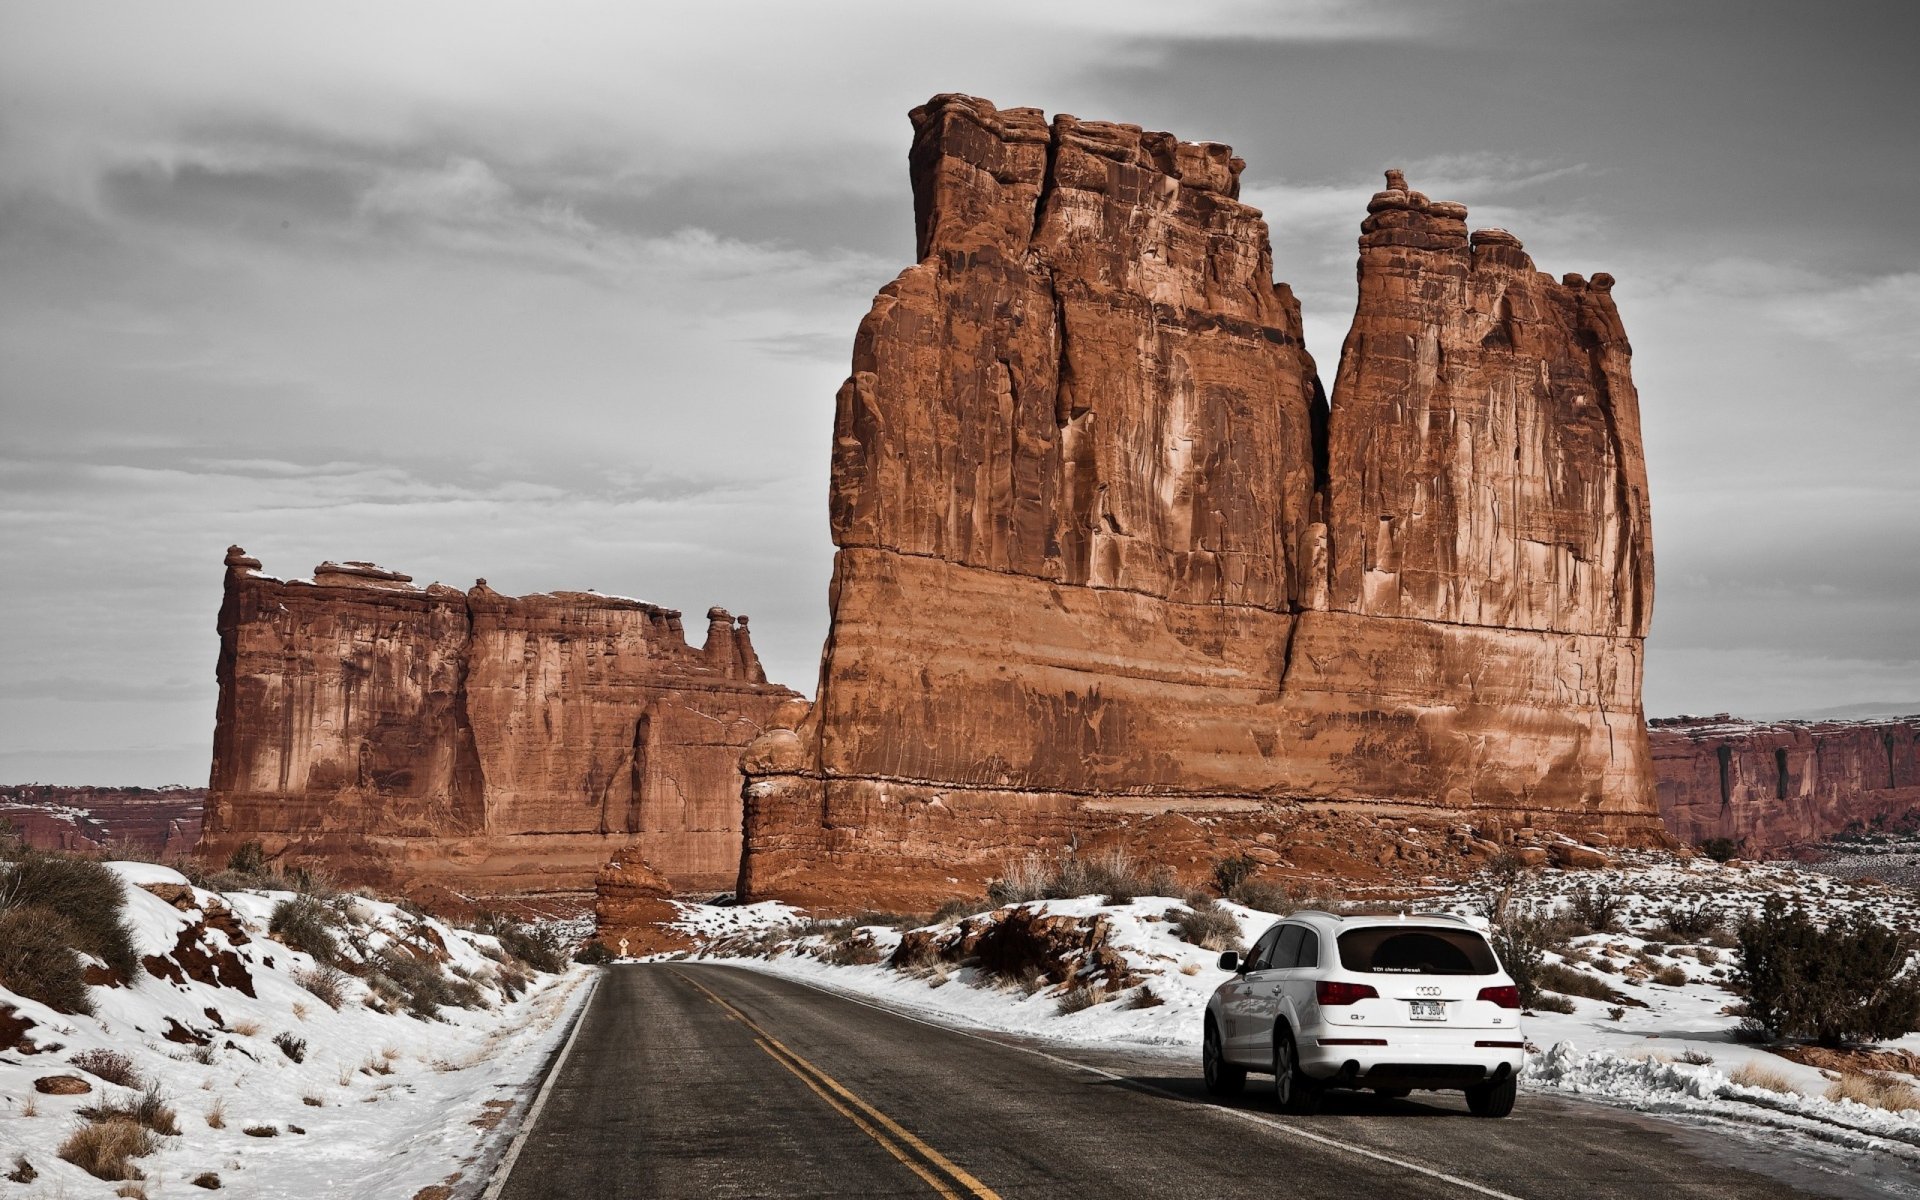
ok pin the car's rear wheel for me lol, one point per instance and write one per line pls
(1223, 1078)
(1393, 1093)
(1297, 1092)
(1492, 1099)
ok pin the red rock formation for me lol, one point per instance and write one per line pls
(156, 823)
(475, 741)
(633, 910)
(1107, 571)
(1779, 787)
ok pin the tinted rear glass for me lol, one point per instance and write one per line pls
(1396, 950)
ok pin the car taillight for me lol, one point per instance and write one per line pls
(1328, 991)
(1506, 996)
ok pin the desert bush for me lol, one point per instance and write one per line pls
(1568, 981)
(1690, 924)
(1616, 1013)
(208, 1180)
(1674, 976)
(1597, 910)
(852, 950)
(87, 895)
(1754, 1075)
(1078, 999)
(1551, 1002)
(1875, 1090)
(1258, 893)
(110, 1065)
(1146, 998)
(1208, 926)
(149, 1111)
(542, 947)
(104, 1149)
(248, 858)
(1521, 944)
(957, 908)
(1719, 849)
(421, 986)
(261, 1131)
(1232, 871)
(328, 984)
(306, 924)
(593, 954)
(1109, 873)
(23, 1171)
(1697, 1058)
(37, 959)
(1846, 983)
(293, 1047)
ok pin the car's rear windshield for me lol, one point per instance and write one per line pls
(1423, 950)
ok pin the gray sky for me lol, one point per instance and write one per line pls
(559, 294)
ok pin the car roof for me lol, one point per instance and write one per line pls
(1314, 916)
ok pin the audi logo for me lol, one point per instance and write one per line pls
(1428, 991)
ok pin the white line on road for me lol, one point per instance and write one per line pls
(1124, 1081)
(505, 1170)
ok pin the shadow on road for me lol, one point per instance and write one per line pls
(1259, 1098)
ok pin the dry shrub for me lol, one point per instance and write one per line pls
(104, 1149)
(1755, 1075)
(1671, 977)
(246, 1028)
(953, 910)
(150, 1111)
(1875, 1090)
(208, 1180)
(262, 1131)
(293, 1047)
(1145, 999)
(1551, 1002)
(1109, 873)
(110, 1065)
(304, 923)
(1558, 977)
(131, 1191)
(85, 894)
(1597, 911)
(1260, 894)
(217, 1115)
(23, 1171)
(1208, 926)
(1078, 999)
(37, 960)
(1697, 1058)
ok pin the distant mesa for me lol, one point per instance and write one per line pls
(475, 742)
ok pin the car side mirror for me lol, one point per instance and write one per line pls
(1230, 961)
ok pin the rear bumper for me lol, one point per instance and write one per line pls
(1411, 1058)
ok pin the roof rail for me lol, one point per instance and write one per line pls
(1441, 916)
(1315, 912)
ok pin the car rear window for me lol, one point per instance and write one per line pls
(1396, 950)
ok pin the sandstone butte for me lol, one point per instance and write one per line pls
(479, 743)
(1775, 788)
(1111, 570)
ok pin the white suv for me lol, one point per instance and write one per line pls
(1386, 1003)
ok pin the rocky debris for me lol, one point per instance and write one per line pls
(61, 1085)
(194, 957)
(1110, 568)
(1572, 857)
(1778, 788)
(633, 902)
(432, 738)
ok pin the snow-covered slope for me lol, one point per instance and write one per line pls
(381, 1103)
(1657, 1046)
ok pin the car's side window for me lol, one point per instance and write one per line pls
(1262, 957)
(1309, 949)
(1287, 953)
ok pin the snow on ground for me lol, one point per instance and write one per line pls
(1668, 1047)
(384, 1104)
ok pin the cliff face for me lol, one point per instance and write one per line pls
(1780, 787)
(162, 823)
(474, 740)
(1109, 569)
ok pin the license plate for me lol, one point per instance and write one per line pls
(1427, 1010)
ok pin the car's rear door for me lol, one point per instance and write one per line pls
(1266, 996)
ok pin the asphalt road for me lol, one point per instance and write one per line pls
(692, 1080)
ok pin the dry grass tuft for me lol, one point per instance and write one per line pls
(246, 1028)
(1079, 999)
(1755, 1075)
(110, 1065)
(104, 1149)
(217, 1115)
(1875, 1090)
(1208, 926)
(328, 984)
(150, 1111)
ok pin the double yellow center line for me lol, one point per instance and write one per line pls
(935, 1169)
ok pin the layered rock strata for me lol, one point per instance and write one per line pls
(481, 742)
(1110, 568)
(159, 824)
(1775, 788)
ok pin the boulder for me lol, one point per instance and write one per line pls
(62, 1085)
